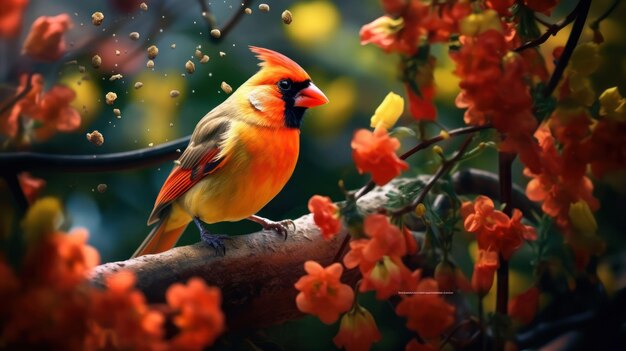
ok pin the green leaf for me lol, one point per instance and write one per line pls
(405, 194)
(542, 106)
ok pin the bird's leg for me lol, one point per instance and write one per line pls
(281, 227)
(215, 241)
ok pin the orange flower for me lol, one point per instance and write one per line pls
(355, 257)
(375, 153)
(386, 238)
(607, 144)
(45, 41)
(11, 13)
(31, 186)
(484, 270)
(325, 216)
(61, 260)
(421, 106)
(121, 319)
(427, 313)
(524, 306)
(55, 112)
(481, 215)
(321, 292)
(387, 277)
(26, 105)
(411, 243)
(200, 320)
(357, 331)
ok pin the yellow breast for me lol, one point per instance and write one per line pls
(259, 163)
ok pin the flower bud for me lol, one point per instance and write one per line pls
(388, 112)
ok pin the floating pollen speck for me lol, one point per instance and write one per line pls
(97, 18)
(226, 88)
(174, 93)
(222, 54)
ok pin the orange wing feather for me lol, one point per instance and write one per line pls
(182, 179)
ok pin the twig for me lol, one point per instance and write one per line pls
(446, 166)
(424, 144)
(228, 26)
(552, 29)
(596, 23)
(19, 96)
(579, 24)
(24, 161)
(207, 14)
(458, 327)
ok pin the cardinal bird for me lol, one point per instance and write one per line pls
(240, 156)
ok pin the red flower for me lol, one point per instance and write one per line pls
(357, 331)
(387, 277)
(375, 153)
(11, 13)
(45, 41)
(422, 107)
(201, 319)
(607, 144)
(524, 306)
(55, 112)
(501, 6)
(428, 314)
(413, 345)
(31, 186)
(321, 292)
(325, 215)
(484, 270)
(26, 105)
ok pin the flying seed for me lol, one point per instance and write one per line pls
(95, 138)
(143, 6)
(96, 61)
(153, 51)
(134, 35)
(198, 54)
(222, 54)
(174, 93)
(264, 7)
(117, 112)
(97, 18)
(150, 64)
(215, 33)
(247, 10)
(204, 59)
(190, 67)
(138, 85)
(116, 77)
(110, 97)
(226, 88)
(287, 17)
(101, 188)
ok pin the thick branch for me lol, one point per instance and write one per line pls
(256, 275)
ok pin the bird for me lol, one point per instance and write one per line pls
(239, 157)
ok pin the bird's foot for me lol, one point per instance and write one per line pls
(214, 241)
(281, 227)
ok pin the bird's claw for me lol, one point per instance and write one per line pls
(215, 241)
(280, 227)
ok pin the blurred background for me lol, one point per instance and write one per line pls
(324, 39)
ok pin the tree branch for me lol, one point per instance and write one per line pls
(6, 107)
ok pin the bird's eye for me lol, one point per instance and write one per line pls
(284, 84)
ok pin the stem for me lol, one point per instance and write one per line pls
(19, 96)
(424, 144)
(483, 334)
(207, 14)
(505, 161)
(446, 166)
(596, 24)
(579, 24)
(228, 26)
(552, 29)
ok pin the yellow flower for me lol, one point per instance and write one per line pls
(477, 23)
(388, 112)
(43, 218)
(612, 104)
(582, 218)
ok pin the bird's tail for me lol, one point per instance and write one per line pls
(161, 238)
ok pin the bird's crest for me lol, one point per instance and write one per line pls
(272, 60)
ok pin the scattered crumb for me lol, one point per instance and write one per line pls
(222, 54)
(101, 188)
(204, 59)
(286, 17)
(171, 124)
(174, 93)
(117, 53)
(138, 85)
(247, 10)
(95, 138)
(110, 97)
(81, 69)
(143, 6)
(134, 35)
(226, 88)
(198, 54)
(177, 162)
(97, 18)
(264, 7)
(72, 62)
(153, 51)
(117, 112)
(215, 33)
(96, 61)
(173, 46)
(150, 64)
(116, 77)
(151, 145)
(190, 67)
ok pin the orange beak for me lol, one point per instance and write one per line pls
(310, 96)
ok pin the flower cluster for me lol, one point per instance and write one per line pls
(43, 302)
(40, 113)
